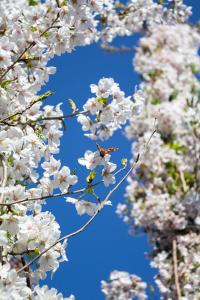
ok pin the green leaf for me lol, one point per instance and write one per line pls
(33, 28)
(36, 250)
(189, 178)
(64, 3)
(9, 237)
(3, 212)
(39, 134)
(46, 34)
(91, 176)
(73, 105)
(5, 83)
(194, 69)
(155, 101)
(124, 162)
(32, 2)
(177, 147)
(43, 96)
(14, 118)
(154, 74)
(102, 101)
(10, 161)
(15, 212)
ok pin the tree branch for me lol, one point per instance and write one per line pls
(76, 113)
(58, 3)
(101, 205)
(5, 175)
(120, 49)
(3, 184)
(175, 264)
(80, 191)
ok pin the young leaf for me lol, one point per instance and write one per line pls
(73, 105)
(124, 162)
(91, 176)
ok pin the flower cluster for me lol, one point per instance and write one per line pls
(15, 287)
(163, 193)
(124, 286)
(92, 161)
(168, 61)
(108, 110)
(32, 33)
(140, 15)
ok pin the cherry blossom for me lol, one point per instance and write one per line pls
(162, 193)
(124, 286)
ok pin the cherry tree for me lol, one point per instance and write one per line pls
(163, 115)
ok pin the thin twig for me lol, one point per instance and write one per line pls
(80, 229)
(60, 240)
(40, 119)
(58, 3)
(120, 49)
(121, 181)
(63, 116)
(5, 176)
(3, 184)
(28, 280)
(184, 184)
(101, 205)
(80, 191)
(33, 102)
(175, 264)
(46, 197)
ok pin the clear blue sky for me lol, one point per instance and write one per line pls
(106, 244)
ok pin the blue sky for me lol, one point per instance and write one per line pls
(106, 244)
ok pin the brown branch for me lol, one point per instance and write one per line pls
(28, 280)
(120, 49)
(101, 205)
(45, 197)
(184, 184)
(3, 184)
(76, 113)
(5, 175)
(60, 240)
(80, 191)
(33, 102)
(58, 3)
(95, 214)
(63, 116)
(175, 265)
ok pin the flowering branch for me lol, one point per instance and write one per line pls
(101, 204)
(59, 118)
(80, 191)
(30, 46)
(85, 225)
(33, 102)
